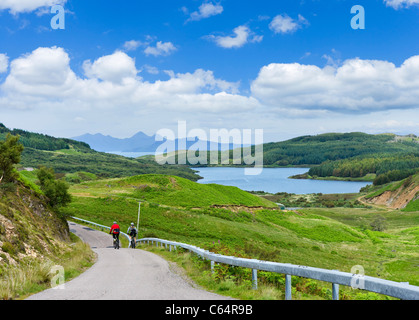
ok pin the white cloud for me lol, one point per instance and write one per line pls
(41, 72)
(282, 23)
(242, 35)
(4, 62)
(19, 6)
(151, 69)
(206, 10)
(114, 68)
(44, 78)
(161, 49)
(41, 89)
(397, 4)
(356, 86)
(132, 45)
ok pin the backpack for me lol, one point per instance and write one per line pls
(133, 232)
(115, 231)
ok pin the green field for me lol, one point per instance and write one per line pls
(230, 221)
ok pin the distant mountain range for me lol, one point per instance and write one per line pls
(140, 142)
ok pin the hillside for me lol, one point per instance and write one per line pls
(380, 158)
(70, 156)
(312, 150)
(33, 238)
(170, 191)
(398, 195)
(230, 221)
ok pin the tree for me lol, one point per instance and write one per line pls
(55, 190)
(10, 152)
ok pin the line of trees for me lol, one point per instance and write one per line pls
(41, 141)
(387, 168)
(314, 150)
(10, 155)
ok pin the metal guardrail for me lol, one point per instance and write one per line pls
(104, 227)
(394, 289)
(402, 291)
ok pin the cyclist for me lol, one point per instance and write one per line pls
(115, 230)
(132, 232)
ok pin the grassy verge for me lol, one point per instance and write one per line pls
(236, 282)
(33, 276)
(233, 224)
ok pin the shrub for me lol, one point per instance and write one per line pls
(9, 248)
(379, 223)
(55, 190)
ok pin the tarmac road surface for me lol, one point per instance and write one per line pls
(124, 274)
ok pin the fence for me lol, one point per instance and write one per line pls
(402, 290)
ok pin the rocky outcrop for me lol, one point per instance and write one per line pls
(28, 227)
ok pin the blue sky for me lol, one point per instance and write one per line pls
(288, 67)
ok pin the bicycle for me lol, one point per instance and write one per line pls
(116, 243)
(133, 242)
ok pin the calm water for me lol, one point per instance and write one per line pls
(276, 180)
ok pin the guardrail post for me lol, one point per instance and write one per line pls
(335, 291)
(170, 248)
(288, 294)
(402, 290)
(254, 279)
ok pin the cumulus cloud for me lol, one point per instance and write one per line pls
(44, 71)
(242, 35)
(161, 49)
(19, 6)
(110, 93)
(4, 62)
(44, 78)
(282, 23)
(206, 10)
(113, 68)
(398, 4)
(357, 85)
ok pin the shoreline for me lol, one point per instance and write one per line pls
(305, 176)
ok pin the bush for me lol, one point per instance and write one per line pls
(55, 190)
(10, 152)
(379, 223)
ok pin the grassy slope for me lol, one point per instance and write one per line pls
(33, 239)
(180, 210)
(99, 163)
(70, 156)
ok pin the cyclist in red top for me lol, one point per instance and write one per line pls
(115, 230)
